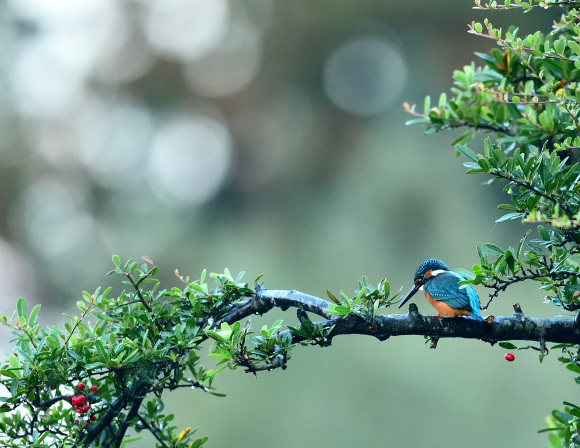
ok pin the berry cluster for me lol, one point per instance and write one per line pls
(80, 402)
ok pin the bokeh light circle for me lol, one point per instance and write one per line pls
(186, 29)
(190, 158)
(364, 76)
(229, 67)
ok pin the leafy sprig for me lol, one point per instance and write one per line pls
(527, 95)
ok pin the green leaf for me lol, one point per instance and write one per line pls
(196, 287)
(286, 339)
(54, 341)
(509, 258)
(14, 361)
(427, 104)
(338, 309)
(560, 45)
(573, 368)
(442, 100)
(554, 441)
(93, 365)
(14, 387)
(509, 216)
(101, 350)
(33, 315)
(467, 152)
(200, 442)
(507, 345)
(387, 288)
(547, 430)
(487, 146)
(483, 164)
(486, 58)
(360, 294)
(544, 233)
(116, 260)
(133, 356)
(239, 277)
(216, 335)
(492, 249)
(22, 311)
(9, 373)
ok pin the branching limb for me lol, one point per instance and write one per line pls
(265, 300)
(131, 415)
(104, 422)
(503, 328)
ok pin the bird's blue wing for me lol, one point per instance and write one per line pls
(446, 288)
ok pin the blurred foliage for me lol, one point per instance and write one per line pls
(527, 94)
(107, 121)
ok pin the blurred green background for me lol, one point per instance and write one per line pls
(266, 136)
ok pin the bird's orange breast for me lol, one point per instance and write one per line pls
(443, 308)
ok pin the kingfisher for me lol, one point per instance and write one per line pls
(443, 291)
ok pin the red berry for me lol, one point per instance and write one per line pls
(509, 357)
(76, 420)
(94, 388)
(80, 386)
(93, 417)
(86, 408)
(80, 400)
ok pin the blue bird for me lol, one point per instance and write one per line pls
(443, 291)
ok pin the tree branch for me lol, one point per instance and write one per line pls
(504, 328)
(265, 300)
(112, 412)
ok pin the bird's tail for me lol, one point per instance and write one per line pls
(474, 303)
(476, 314)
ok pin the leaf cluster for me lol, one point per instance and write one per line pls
(133, 347)
(526, 95)
(526, 92)
(367, 301)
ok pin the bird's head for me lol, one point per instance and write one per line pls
(427, 269)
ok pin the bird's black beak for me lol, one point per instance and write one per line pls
(411, 293)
